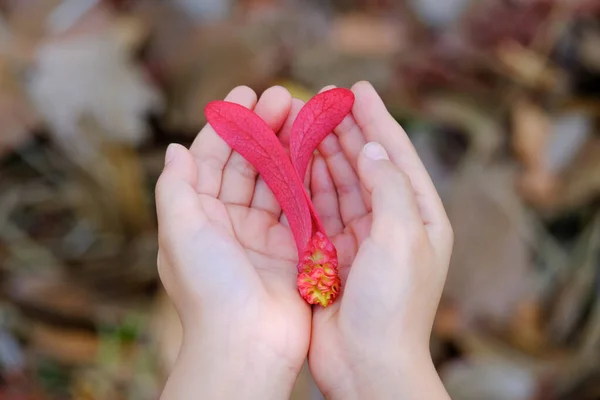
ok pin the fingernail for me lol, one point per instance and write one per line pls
(170, 154)
(375, 151)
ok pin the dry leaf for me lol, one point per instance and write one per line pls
(448, 322)
(526, 328)
(362, 35)
(530, 131)
(539, 187)
(545, 147)
(54, 296)
(322, 65)
(545, 143)
(580, 182)
(17, 114)
(528, 67)
(207, 67)
(485, 133)
(69, 346)
(211, 75)
(489, 273)
(589, 49)
(569, 302)
(530, 138)
(95, 78)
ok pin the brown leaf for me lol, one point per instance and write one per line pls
(69, 346)
(580, 182)
(17, 114)
(322, 65)
(589, 49)
(531, 128)
(575, 286)
(528, 67)
(484, 131)
(364, 35)
(489, 271)
(545, 147)
(53, 297)
(526, 328)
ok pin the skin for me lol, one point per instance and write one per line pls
(227, 261)
(394, 242)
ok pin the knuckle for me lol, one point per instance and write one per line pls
(384, 232)
(449, 233)
(390, 235)
(211, 163)
(161, 267)
(447, 236)
(416, 240)
(401, 178)
(345, 189)
(392, 176)
(243, 167)
(380, 234)
(160, 184)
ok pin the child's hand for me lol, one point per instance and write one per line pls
(384, 213)
(229, 266)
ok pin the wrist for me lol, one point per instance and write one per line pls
(210, 367)
(408, 379)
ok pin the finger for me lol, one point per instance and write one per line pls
(239, 176)
(263, 196)
(395, 213)
(265, 200)
(286, 129)
(351, 141)
(343, 169)
(177, 204)
(325, 197)
(211, 152)
(326, 88)
(347, 184)
(378, 125)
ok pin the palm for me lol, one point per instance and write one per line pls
(347, 232)
(267, 242)
(326, 341)
(346, 212)
(245, 212)
(270, 252)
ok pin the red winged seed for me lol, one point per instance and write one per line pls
(245, 132)
(319, 116)
(249, 135)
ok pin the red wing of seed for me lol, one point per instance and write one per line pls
(319, 116)
(246, 133)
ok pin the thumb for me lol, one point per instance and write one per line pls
(178, 206)
(393, 198)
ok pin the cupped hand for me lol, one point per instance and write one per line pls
(229, 265)
(394, 243)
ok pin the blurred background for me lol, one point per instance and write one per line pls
(500, 97)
